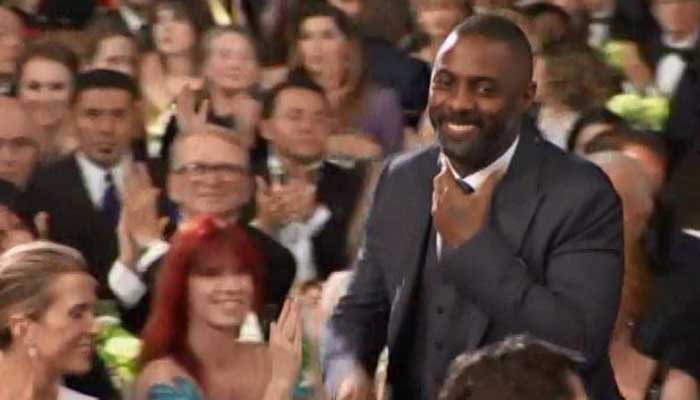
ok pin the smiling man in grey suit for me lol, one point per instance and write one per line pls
(493, 232)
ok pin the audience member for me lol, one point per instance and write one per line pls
(436, 19)
(590, 124)
(550, 23)
(209, 173)
(47, 326)
(304, 201)
(518, 368)
(570, 79)
(617, 20)
(633, 371)
(368, 116)
(676, 45)
(86, 186)
(174, 63)
(19, 143)
(133, 14)
(45, 85)
(231, 73)
(211, 279)
(11, 44)
(111, 46)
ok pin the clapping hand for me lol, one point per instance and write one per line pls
(189, 118)
(285, 347)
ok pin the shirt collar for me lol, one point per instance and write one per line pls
(687, 43)
(94, 176)
(477, 179)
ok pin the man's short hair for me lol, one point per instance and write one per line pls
(105, 79)
(518, 368)
(298, 79)
(497, 28)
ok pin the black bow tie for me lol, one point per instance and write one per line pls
(687, 54)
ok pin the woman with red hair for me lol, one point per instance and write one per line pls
(210, 280)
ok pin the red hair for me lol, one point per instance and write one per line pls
(165, 333)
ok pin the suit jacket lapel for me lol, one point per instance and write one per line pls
(514, 204)
(415, 207)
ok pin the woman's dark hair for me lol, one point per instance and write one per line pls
(596, 115)
(101, 28)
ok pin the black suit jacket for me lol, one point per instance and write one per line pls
(59, 190)
(682, 128)
(339, 190)
(549, 262)
(280, 273)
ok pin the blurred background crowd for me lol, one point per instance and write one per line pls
(121, 120)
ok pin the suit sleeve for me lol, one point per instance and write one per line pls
(575, 305)
(356, 332)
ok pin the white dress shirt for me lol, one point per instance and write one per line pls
(599, 32)
(477, 179)
(133, 20)
(671, 67)
(94, 178)
(67, 394)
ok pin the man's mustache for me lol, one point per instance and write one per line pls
(461, 118)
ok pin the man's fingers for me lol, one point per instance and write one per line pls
(41, 222)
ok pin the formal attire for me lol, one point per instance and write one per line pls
(669, 58)
(82, 201)
(626, 20)
(548, 262)
(319, 244)
(133, 288)
(682, 128)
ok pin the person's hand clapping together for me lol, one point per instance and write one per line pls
(285, 351)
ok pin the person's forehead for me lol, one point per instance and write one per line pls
(9, 19)
(202, 147)
(231, 40)
(118, 43)
(475, 54)
(16, 122)
(73, 288)
(40, 67)
(318, 23)
(105, 98)
(300, 99)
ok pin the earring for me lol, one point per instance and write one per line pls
(32, 351)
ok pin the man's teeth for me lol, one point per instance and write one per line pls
(460, 127)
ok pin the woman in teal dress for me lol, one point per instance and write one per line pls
(209, 282)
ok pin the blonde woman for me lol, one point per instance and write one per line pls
(46, 320)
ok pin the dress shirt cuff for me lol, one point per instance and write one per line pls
(126, 285)
(153, 253)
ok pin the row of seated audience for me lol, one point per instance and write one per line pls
(152, 120)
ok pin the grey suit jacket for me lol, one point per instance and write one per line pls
(549, 262)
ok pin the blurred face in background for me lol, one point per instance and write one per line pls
(231, 63)
(45, 87)
(677, 17)
(209, 175)
(173, 33)
(437, 18)
(10, 41)
(321, 44)
(19, 145)
(299, 126)
(117, 53)
(105, 119)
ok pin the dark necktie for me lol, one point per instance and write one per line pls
(466, 188)
(110, 201)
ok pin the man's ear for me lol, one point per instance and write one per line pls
(19, 327)
(173, 184)
(266, 129)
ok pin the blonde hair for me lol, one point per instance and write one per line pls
(26, 272)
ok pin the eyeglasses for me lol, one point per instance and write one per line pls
(196, 170)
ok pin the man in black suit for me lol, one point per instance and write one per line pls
(523, 238)
(303, 201)
(81, 193)
(209, 173)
